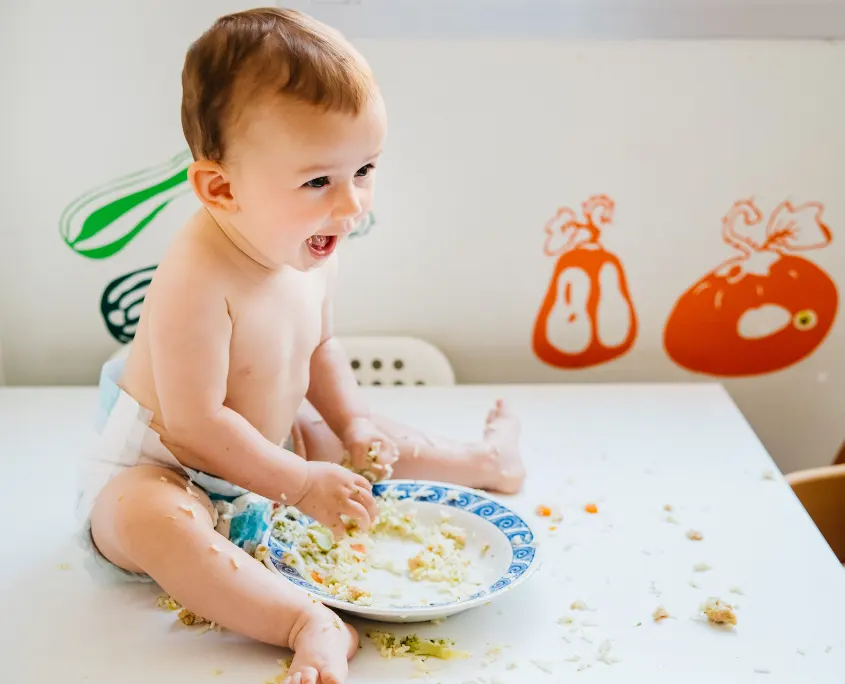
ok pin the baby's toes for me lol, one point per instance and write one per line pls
(309, 675)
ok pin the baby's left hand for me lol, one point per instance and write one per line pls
(369, 451)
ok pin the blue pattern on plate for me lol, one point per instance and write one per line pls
(516, 530)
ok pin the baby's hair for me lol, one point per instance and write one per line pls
(248, 55)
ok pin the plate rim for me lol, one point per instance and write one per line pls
(439, 609)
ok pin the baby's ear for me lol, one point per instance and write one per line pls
(211, 185)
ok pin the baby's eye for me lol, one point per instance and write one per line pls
(364, 170)
(320, 182)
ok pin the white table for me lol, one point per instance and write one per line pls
(630, 449)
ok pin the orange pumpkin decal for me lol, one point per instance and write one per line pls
(763, 310)
(587, 316)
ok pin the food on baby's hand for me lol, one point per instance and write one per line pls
(373, 471)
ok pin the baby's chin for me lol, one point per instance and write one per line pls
(312, 256)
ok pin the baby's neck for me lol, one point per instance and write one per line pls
(239, 246)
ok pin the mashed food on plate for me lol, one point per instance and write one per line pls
(437, 553)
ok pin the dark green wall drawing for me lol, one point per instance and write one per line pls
(122, 300)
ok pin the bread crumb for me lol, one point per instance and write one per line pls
(189, 509)
(63, 566)
(695, 535)
(579, 605)
(671, 519)
(167, 603)
(768, 475)
(693, 584)
(235, 563)
(719, 612)
(701, 567)
(660, 614)
(736, 590)
(668, 508)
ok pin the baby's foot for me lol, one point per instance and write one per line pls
(501, 446)
(321, 650)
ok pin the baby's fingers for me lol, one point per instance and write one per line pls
(357, 512)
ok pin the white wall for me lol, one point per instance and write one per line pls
(487, 139)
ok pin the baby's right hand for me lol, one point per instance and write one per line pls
(331, 491)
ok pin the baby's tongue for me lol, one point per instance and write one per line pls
(318, 241)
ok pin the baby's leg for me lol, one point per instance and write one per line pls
(491, 463)
(146, 521)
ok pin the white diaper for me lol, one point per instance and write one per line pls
(126, 440)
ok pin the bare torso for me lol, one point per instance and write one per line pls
(275, 322)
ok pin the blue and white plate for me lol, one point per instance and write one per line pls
(510, 556)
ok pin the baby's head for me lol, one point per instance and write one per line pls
(285, 123)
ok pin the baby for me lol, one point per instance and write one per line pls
(235, 395)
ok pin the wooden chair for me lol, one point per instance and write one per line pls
(822, 493)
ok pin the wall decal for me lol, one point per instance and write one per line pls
(764, 309)
(587, 316)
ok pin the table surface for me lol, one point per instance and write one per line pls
(631, 449)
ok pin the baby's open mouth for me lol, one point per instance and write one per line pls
(321, 246)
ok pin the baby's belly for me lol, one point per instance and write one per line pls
(270, 407)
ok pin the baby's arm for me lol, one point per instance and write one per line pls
(334, 391)
(190, 331)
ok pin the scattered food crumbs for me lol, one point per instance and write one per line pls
(63, 566)
(582, 667)
(718, 612)
(172, 517)
(653, 590)
(761, 670)
(552, 528)
(800, 652)
(736, 590)
(542, 665)
(188, 509)
(438, 621)
(671, 519)
(235, 563)
(167, 603)
(701, 567)
(660, 614)
(591, 508)
(553, 513)
(573, 659)
(512, 666)
(579, 605)
(565, 620)
(587, 639)
(484, 550)
(695, 535)
(668, 508)
(639, 624)
(164, 479)
(693, 584)
(768, 475)
(188, 618)
(261, 552)
(604, 655)
(391, 647)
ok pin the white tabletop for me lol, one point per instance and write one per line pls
(630, 449)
